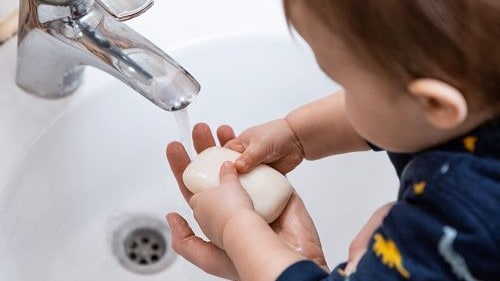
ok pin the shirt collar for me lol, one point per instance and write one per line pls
(483, 141)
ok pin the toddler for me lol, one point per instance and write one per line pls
(421, 80)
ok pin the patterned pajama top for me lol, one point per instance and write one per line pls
(446, 222)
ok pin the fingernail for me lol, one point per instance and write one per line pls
(241, 163)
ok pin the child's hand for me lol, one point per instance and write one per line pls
(273, 143)
(214, 207)
(294, 225)
(203, 254)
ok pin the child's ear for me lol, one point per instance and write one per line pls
(444, 105)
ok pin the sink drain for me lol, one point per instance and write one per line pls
(145, 246)
(141, 245)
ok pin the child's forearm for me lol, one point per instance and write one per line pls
(323, 128)
(256, 251)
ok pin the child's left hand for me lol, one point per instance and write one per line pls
(214, 207)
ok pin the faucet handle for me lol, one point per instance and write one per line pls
(125, 9)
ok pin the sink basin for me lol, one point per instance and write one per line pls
(101, 165)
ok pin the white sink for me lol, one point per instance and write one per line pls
(101, 162)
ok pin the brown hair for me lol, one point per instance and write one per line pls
(457, 41)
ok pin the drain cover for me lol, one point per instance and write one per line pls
(145, 246)
(141, 245)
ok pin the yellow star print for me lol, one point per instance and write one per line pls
(419, 187)
(389, 254)
(470, 143)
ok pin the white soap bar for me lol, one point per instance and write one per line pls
(268, 188)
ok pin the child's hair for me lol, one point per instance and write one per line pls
(457, 41)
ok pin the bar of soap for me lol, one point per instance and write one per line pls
(268, 188)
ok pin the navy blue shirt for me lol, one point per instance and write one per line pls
(446, 222)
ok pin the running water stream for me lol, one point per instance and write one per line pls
(182, 118)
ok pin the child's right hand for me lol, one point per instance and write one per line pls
(273, 143)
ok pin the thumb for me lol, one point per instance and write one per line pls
(228, 174)
(205, 255)
(250, 158)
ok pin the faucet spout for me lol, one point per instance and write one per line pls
(55, 42)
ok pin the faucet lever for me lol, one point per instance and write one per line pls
(125, 9)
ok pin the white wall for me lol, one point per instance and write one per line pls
(7, 7)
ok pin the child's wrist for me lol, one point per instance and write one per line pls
(238, 224)
(296, 138)
(245, 237)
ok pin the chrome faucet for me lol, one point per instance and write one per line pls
(57, 38)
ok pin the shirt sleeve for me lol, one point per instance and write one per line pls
(370, 268)
(307, 270)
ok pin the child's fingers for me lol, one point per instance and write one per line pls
(203, 254)
(235, 144)
(228, 174)
(178, 160)
(253, 155)
(202, 137)
(225, 133)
